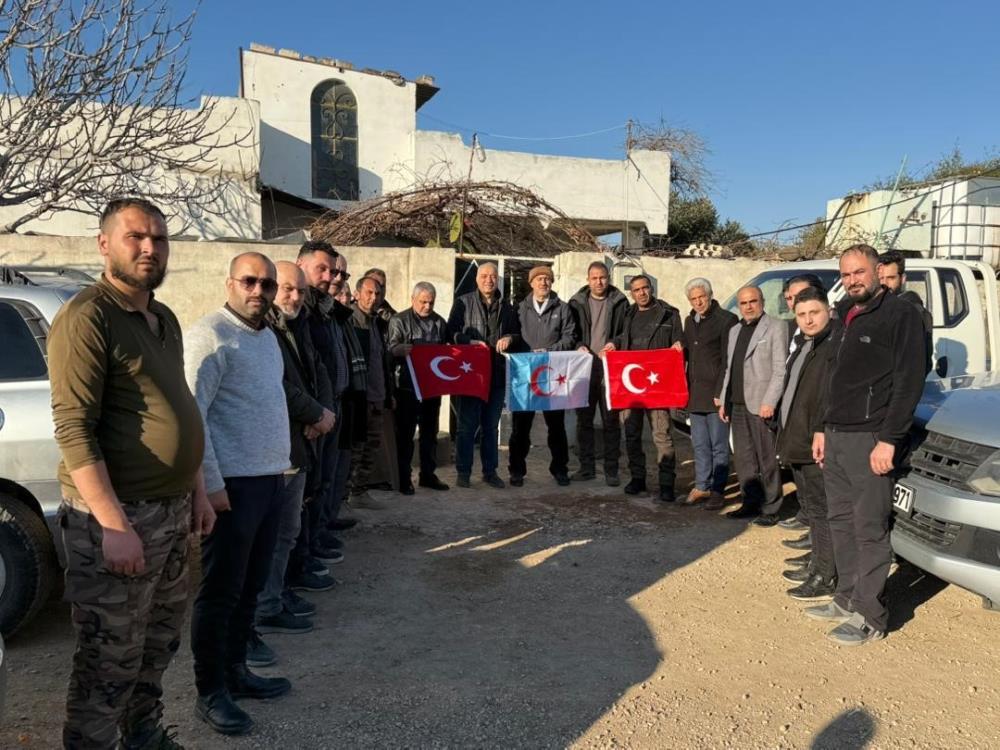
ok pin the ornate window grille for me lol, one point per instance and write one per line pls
(334, 141)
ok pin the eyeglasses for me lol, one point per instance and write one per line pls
(268, 286)
(342, 274)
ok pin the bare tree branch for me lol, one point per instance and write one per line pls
(689, 176)
(92, 109)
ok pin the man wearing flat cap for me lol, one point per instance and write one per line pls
(546, 326)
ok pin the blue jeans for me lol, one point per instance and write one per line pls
(289, 524)
(710, 439)
(482, 417)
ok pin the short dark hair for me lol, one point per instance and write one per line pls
(363, 279)
(893, 256)
(317, 246)
(639, 277)
(118, 205)
(867, 250)
(812, 294)
(808, 278)
(372, 272)
(598, 264)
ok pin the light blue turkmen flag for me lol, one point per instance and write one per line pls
(546, 381)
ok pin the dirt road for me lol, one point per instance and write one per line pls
(543, 617)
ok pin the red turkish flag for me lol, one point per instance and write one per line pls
(652, 379)
(450, 370)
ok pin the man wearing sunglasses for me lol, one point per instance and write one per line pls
(235, 370)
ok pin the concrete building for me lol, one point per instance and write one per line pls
(955, 218)
(334, 135)
(318, 134)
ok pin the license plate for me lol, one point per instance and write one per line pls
(902, 498)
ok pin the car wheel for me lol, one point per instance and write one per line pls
(28, 566)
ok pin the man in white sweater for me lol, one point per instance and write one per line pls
(234, 368)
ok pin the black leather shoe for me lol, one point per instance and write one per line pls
(432, 483)
(516, 481)
(803, 542)
(766, 519)
(817, 587)
(667, 495)
(799, 560)
(562, 480)
(798, 575)
(744, 511)
(635, 486)
(343, 524)
(242, 683)
(793, 524)
(219, 712)
(407, 488)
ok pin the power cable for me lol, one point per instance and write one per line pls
(482, 132)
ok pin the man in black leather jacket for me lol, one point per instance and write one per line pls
(413, 327)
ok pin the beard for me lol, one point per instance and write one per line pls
(147, 284)
(861, 298)
(289, 315)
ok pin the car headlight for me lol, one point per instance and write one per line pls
(986, 479)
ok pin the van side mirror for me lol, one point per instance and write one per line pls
(941, 368)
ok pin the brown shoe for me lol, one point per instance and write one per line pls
(716, 501)
(695, 496)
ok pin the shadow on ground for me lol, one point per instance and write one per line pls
(467, 618)
(851, 730)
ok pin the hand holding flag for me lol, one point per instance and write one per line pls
(652, 379)
(450, 370)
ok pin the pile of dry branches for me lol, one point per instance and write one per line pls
(500, 218)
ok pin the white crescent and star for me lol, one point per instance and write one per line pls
(627, 379)
(436, 367)
(652, 377)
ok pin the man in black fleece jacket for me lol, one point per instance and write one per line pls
(599, 312)
(649, 324)
(875, 384)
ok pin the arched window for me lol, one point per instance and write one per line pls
(334, 141)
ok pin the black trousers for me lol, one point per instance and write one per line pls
(860, 503)
(410, 414)
(811, 490)
(235, 562)
(755, 457)
(520, 441)
(610, 426)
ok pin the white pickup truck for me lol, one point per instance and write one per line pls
(947, 508)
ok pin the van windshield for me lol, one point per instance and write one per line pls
(771, 283)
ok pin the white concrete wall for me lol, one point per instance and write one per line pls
(386, 123)
(233, 166)
(670, 274)
(197, 270)
(592, 191)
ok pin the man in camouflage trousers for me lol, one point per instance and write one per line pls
(131, 439)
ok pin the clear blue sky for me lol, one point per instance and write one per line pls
(799, 102)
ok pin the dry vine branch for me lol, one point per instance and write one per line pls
(500, 218)
(91, 108)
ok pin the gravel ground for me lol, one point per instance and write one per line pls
(551, 617)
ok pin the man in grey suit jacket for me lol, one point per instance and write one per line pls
(754, 379)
